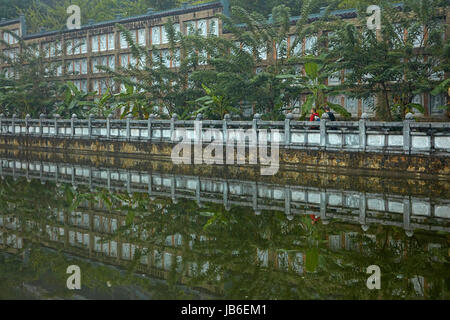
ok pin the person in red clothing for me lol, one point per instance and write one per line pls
(314, 218)
(314, 115)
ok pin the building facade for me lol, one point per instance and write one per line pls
(79, 53)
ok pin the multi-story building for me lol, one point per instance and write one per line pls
(80, 52)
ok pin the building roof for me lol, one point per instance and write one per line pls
(5, 22)
(343, 13)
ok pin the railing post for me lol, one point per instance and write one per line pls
(172, 126)
(323, 208)
(13, 124)
(363, 131)
(323, 130)
(27, 126)
(73, 177)
(91, 119)
(407, 132)
(198, 191)
(129, 183)
(287, 129)
(226, 119)
(287, 204)
(56, 123)
(72, 125)
(108, 178)
(129, 117)
(362, 211)
(108, 125)
(255, 197)
(1, 122)
(151, 118)
(407, 217)
(150, 184)
(198, 139)
(256, 119)
(173, 190)
(41, 124)
(225, 196)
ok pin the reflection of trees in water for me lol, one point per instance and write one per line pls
(237, 253)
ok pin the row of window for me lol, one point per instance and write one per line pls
(106, 42)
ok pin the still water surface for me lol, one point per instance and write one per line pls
(151, 235)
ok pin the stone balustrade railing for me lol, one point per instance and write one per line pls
(408, 136)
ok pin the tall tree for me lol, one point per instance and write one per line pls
(396, 63)
(28, 85)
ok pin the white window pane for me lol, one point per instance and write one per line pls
(202, 27)
(112, 62)
(76, 46)
(334, 79)
(111, 44)
(83, 47)
(124, 60)
(133, 61)
(103, 42)
(419, 38)
(190, 27)
(95, 85)
(84, 86)
(310, 42)
(123, 41)
(297, 51)
(176, 58)
(84, 66)
(165, 36)
(52, 50)
(262, 53)
(95, 44)
(351, 104)
(141, 37)
(166, 58)
(176, 28)
(69, 50)
(94, 65)
(214, 27)
(77, 67)
(156, 35)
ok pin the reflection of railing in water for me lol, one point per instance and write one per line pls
(353, 207)
(82, 232)
(391, 137)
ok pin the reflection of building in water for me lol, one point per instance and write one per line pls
(95, 232)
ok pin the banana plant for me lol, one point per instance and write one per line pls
(214, 106)
(75, 102)
(313, 83)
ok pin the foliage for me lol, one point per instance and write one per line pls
(75, 102)
(29, 85)
(214, 107)
(313, 82)
(388, 63)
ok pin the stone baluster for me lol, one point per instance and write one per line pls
(287, 129)
(407, 132)
(72, 125)
(363, 131)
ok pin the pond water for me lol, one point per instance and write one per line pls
(154, 235)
